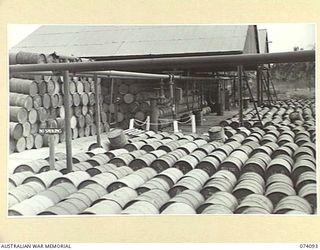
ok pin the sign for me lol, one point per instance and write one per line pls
(50, 131)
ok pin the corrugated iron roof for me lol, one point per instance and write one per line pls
(115, 41)
(263, 39)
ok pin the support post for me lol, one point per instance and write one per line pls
(111, 99)
(148, 123)
(258, 88)
(175, 126)
(172, 96)
(268, 83)
(67, 125)
(193, 124)
(154, 115)
(97, 108)
(131, 123)
(261, 86)
(52, 151)
(240, 95)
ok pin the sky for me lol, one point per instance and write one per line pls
(282, 37)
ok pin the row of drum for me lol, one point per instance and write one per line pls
(160, 191)
(250, 156)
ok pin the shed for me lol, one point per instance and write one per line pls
(109, 42)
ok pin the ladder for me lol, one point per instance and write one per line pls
(251, 95)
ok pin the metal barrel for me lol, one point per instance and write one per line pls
(18, 114)
(304, 179)
(219, 155)
(80, 157)
(232, 164)
(121, 196)
(309, 192)
(152, 146)
(21, 100)
(301, 166)
(141, 207)
(18, 178)
(30, 58)
(143, 161)
(116, 152)
(186, 163)
(216, 209)
(134, 146)
(98, 159)
(207, 148)
(74, 177)
(34, 166)
(146, 173)
(103, 207)
(16, 130)
(293, 202)
(190, 197)
(279, 178)
(58, 156)
(45, 178)
(278, 190)
(282, 150)
(189, 147)
(219, 198)
(208, 164)
(154, 183)
(122, 171)
(171, 175)
(186, 183)
(122, 160)
(254, 165)
(217, 134)
(23, 192)
(278, 165)
(179, 208)
(133, 181)
(81, 166)
(101, 169)
(255, 200)
(247, 187)
(163, 163)
(117, 138)
(255, 210)
(31, 206)
(222, 180)
(156, 197)
(23, 86)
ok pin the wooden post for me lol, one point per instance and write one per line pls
(52, 151)
(97, 109)
(67, 125)
(111, 99)
(240, 95)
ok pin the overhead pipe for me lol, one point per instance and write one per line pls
(228, 61)
(121, 74)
